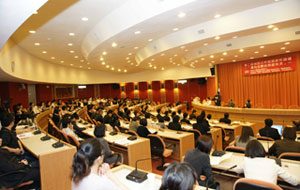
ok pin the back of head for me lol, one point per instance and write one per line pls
(75, 116)
(178, 176)
(246, 133)
(226, 115)
(289, 133)
(185, 115)
(7, 119)
(255, 149)
(66, 120)
(143, 122)
(147, 115)
(204, 144)
(176, 119)
(100, 130)
(268, 122)
(84, 158)
(208, 116)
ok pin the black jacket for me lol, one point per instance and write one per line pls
(224, 120)
(202, 126)
(269, 132)
(9, 138)
(285, 145)
(142, 131)
(174, 126)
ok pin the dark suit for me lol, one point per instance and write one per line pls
(224, 120)
(203, 127)
(201, 163)
(269, 132)
(9, 138)
(285, 145)
(185, 121)
(142, 131)
(175, 126)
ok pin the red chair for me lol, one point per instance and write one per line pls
(290, 156)
(235, 149)
(265, 138)
(133, 133)
(251, 184)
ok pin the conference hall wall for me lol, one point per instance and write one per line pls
(264, 90)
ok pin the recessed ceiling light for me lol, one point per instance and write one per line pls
(62, 61)
(212, 56)
(265, 55)
(129, 54)
(182, 47)
(107, 66)
(251, 57)
(136, 47)
(75, 56)
(186, 50)
(225, 53)
(119, 70)
(178, 64)
(36, 44)
(137, 32)
(131, 63)
(89, 67)
(241, 50)
(276, 0)
(114, 44)
(155, 67)
(44, 52)
(236, 56)
(104, 53)
(32, 31)
(150, 65)
(174, 63)
(202, 59)
(52, 57)
(217, 16)
(170, 61)
(128, 61)
(125, 71)
(217, 37)
(221, 59)
(71, 34)
(150, 40)
(196, 61)
(88, 63)
(84, 18)
(162, 68)
(170, 58)
(234, 60)
(103, 63)
(35, 13)
(205, 44)
(71, 64)
(275, 29)
(283, 48)
(71, 51)
(175, 29)
(181, 15)
(101, 58)
(82, 61)
(286, 43)
(234, 37)
(213, 61)
(288, 51)
(70, 44)
(127, 58)
(152, 59)
(270, 26)
(261, 47)
(80, 66)
(175, 55)
(256, 52)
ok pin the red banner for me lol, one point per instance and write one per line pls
(282, 64)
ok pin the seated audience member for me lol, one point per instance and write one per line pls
(175, 125)
(203, 167)
(78, 130)
(98, 115)
(159, 115)
(248, 104)
(202, 124)
(256, 166)
(67, 126)
(9, 137)
(297, 125)
(134, 124)
(142, 130)
(287, 144)
(268, 131)
(89, 171)
(185, 120)
(149, 120)
(108, 119)
(166, 117)
(179, 112)
(10, 163)
(230, 103)
(208, 117)
(161, 123)
(193, 115)
(109, 156)
(225, 119)
(246, 136)
(56, 116)
(178, 176)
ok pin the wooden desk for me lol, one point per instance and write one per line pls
(293, 167)
(255, 115)
(55, 163)
(131, 150)
(152, 183)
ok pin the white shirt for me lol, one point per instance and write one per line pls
(265, 169)
(94, 182)
(70, 132)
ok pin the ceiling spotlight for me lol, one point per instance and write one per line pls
(114, 44)
(129, 54)
(71, 34)
(221, 59)
(275, 29)
(175, 55)
(103, 63)
(288, 51)
(251, 57)
(71, 51)
(175, 29)
(186, 50)
(234, 37)
(35, 13)
(150, 65)
(125, 71)
(241, 50)
(137, 32)
(101, 58)
(174, 63)
(283, 48)
(127, 58)
(119, 70)
(75, 56)
(271, 26)
(136, 47)
(162, 68)
(71, 64)
(182, 47)
(202, 59)
(217, 37)
(37, 44)
(70, 44)
(128, 61)
(155, 67)
(212, 56)
(44, 52)
(286, 43)
(234, 60)
(32, 31)
(107, 66)
(104, 53)
(88, 63)
(150, 40)
(80, 66)
(84, 19)
(261, 47)
(52, 57)
(225, 53)
(265, 55)
(82, 61)
(236, 56)
(217, 16)
(181, 15)
(256, 52)
(61, 61)
(152, 59)
(131, 63)
(89, 67)
(205, 44)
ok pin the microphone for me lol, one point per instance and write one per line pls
(218, 152)
(45, 138)
(221, 172)
(136, 175)
(58, 144)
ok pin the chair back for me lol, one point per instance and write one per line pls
(73, 141)
(265, 138)
(250, 184)
(290, 156)
(235, 149)
(197, 134)
(158, 146)
(64, 137)
(130, 132)
(50, 126)
(56, 132)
